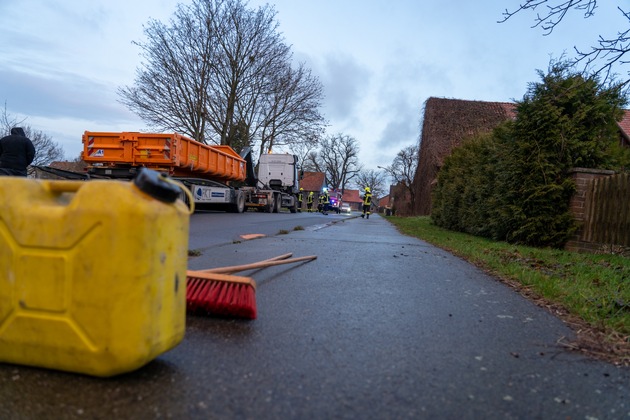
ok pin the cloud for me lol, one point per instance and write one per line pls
(55, 97)
(64, 105)
(401, 129)
(403, 81)
(346, 83)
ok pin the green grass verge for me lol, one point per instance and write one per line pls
(596, 288)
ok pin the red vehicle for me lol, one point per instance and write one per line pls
(335, 201)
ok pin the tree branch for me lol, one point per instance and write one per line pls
(554, 13)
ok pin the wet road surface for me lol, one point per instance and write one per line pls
(380, 326)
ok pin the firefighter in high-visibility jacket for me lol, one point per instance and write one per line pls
(309, 202)
(367, 203)
(325, 202)
(300, 199)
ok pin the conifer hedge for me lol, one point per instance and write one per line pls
(513, 184)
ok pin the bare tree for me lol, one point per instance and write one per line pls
(375, 180)
(403, 169)
(602, 57)
(220, 72)
(290, 112)
(250, 55)
(304, 150)
(7, 121)
(312, 162)
(171, 88)
(338, 158)
(46, 150)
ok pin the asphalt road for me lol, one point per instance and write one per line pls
(208, 229)
(380, 326)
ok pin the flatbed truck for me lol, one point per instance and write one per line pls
(217, 176)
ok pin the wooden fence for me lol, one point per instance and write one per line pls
(607, 211)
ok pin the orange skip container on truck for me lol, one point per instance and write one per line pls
(218, 177)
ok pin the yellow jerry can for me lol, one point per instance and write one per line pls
(92, 273)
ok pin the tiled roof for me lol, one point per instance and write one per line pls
(352, 196)
(383, 202)
(313, 181)
(69, 166)
(446, 124)
(624, 125)
(509, 108)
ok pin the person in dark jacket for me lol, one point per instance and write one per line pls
(16, 153)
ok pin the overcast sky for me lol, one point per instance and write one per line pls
(61, 62)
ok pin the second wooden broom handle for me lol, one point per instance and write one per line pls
(224, 269)
(261, 264)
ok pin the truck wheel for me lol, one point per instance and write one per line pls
(271, 206)
(277, 200)
(239, 205)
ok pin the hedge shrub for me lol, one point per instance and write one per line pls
(513, 184)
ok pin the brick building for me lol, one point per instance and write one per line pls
(447, 123)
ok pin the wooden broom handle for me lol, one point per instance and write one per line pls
(280, 257)
(261, 264)
(224, 269)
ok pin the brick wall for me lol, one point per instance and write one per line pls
(582, 177)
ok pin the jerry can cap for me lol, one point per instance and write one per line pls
(153, 183)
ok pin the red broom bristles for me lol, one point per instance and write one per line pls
(220, 294)
(215, 292)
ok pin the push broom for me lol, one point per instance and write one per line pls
(221, 294)
(217, 292)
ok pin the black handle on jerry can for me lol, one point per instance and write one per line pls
(153, 183)
(63, 186)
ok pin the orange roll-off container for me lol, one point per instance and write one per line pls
(170, 153)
